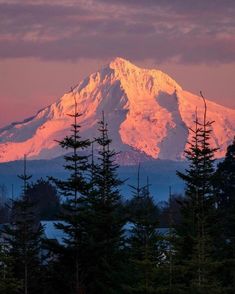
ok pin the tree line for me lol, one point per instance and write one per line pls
(111, 245)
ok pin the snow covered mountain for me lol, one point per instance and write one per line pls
(147, 111)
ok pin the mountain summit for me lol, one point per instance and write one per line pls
(147, 111)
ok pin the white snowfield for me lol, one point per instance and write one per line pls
(146, 110)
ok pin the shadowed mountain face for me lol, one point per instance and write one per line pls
(176, 138)
(147, 111)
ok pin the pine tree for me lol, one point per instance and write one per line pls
(74, 191)
(45, 197)
(224, 184)
(8, 283)
(168, 267)
(23, 236)
(146, 246)
(194, 235)
(105, 227)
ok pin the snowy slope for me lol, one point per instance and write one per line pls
(148, 114)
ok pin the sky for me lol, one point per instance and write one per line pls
(48, 46)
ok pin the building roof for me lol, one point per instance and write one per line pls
(51, 232)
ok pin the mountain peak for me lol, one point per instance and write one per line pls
(124, 68)
(120, 60)
(121, 63)
(147, 111)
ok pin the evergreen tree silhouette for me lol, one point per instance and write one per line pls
(224, 184)
(194, 235)
(74, 191)
(145, 241)
(105, 229)
(24, 239)
(8, 283)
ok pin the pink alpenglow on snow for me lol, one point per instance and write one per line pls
(147, 112)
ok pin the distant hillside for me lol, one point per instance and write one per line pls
(161, 174)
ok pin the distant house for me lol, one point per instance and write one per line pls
(52, 233)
